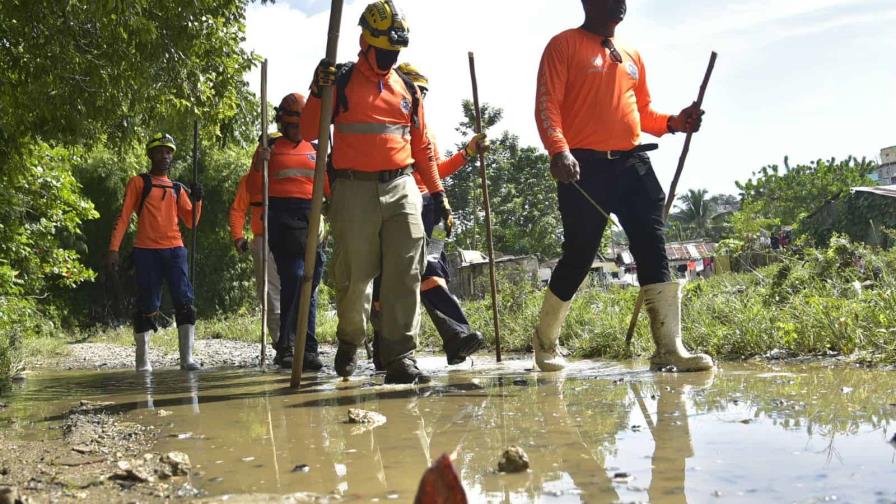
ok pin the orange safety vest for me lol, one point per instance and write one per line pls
(290, 170)
(377, 132)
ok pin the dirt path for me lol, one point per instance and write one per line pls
(211, 353)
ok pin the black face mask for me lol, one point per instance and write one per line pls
(617, 10)
(385, 59)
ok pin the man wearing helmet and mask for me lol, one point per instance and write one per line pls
(159, 251)
(592, 103)
(290, 184)
(459, 340)
(379, 138)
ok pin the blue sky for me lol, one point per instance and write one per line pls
(805, 78)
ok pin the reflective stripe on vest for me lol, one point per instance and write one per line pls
(401, 130)
(294, 172)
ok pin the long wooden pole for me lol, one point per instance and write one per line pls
(264, 214)
(323, 148)
(488, 214)
(193, 236)
(670, 199)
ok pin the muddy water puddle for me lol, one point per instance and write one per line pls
(600, 432)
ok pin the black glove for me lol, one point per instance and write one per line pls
(196, 191)
(241, 245)
(443, 211)
(324, 75)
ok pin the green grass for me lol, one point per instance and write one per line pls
(837, 301)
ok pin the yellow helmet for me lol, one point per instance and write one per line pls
(416, 77)
(384, 26)
(160, 139)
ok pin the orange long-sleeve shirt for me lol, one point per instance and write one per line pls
(447, 167)
(376, 133)
(157, 225)
(585, 100)
(242, 202)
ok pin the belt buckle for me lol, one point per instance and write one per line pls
(611, 156)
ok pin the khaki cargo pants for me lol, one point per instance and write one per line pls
(273, 317)
(378, 230)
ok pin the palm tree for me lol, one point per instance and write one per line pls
(695, 212)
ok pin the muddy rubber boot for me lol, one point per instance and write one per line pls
(405, 371)
(186, 335)
(663, 303)
(546, 338)
(458, 340)
(346, 360)
(141, 342)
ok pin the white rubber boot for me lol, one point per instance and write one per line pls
(663, 302)
(185, 336)
(141, 343)
(546, 338)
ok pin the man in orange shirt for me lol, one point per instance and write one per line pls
(158, 249)
(290, 185)
(459, 340)
(379, 138)
(592, 104)
(242, 203)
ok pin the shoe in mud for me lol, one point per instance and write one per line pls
(346, 360)
(311, 362)
(458, 349)
(405, 371)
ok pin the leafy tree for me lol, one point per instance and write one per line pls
(522, 195)
(789, 195)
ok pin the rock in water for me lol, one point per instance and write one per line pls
(513, 460)
(179, 463)
(359, 416)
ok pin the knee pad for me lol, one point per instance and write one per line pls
(185, 314)
(143, 323)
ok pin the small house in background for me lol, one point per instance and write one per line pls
(688, 260)
(469, 270)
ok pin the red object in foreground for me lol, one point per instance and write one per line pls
(441, 484)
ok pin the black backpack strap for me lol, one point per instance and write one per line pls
(343, 75)
(147, 188)
(415, 96)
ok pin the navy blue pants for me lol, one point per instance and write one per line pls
(155, 265)
(287, 236)
(626, 187)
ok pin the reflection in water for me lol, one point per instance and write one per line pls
(812, 432)
(672, 435)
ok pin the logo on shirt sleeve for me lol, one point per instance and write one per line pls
(632, 70)
(406, 105)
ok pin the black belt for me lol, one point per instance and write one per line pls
(618, 154)
(378, 176)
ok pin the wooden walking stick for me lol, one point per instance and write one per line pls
(488, 213)
(195, 180)
(264, 214)
(670, 199)
(323, 148)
